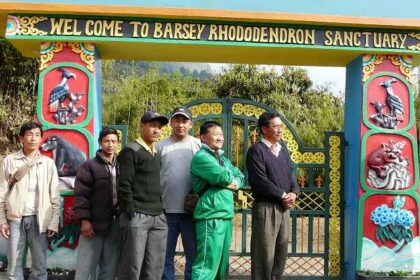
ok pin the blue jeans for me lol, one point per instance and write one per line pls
(184, 224)
(101, 251)
(26, 231)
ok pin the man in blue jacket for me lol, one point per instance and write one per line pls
(275, 190)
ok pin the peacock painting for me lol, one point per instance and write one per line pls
(61, 91)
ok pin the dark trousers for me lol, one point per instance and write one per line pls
(143, 247)
(269, 241)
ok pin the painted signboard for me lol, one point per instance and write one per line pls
(137, 30)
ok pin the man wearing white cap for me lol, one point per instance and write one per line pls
(176, 152)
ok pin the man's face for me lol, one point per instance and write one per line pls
(273, 132)
(109, 143)
(150, 131)
(213, 138)
(181, 125)
(31, 140)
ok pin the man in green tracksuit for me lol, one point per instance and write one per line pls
(214, 179)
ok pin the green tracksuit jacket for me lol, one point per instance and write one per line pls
(213, 213)
(217, 201)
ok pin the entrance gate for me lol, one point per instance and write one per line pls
(315, 235)
(379, 48)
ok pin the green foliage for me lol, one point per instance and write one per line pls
(128, 96)
(18, 88)
(247, 82)
(295, 81)
(389, 273)
(310, 110)
(127, 67)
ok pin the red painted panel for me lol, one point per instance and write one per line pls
(370, 229)
(67, 55)
(374, 144)
(77, 85)
(377, 93)
(387, 66)
(75, 138)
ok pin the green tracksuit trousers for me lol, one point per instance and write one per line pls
(213, 243)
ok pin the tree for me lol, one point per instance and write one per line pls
(18, 89)
(127, 97)
(310, 110)
(296, 80)
(246, 81)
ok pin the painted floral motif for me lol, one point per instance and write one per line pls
(383, 216)
(405, 219)
(393, 223)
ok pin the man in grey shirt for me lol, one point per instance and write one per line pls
(176, 152)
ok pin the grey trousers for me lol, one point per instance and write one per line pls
(269, 241)
(21, 232)
(143, 247)
(101, 251)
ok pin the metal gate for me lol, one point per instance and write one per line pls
(316, 223)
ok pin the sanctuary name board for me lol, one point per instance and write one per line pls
(276, 34)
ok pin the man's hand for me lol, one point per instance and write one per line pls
(50, 233)
(5, 230)
(233, 186)
(87, 229)
(288, 200)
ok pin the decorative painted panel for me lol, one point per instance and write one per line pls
(388, 230)
(67, 107)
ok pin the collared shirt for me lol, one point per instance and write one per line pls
(274, 148)
(31, 201)
(111, 165)
(20, 155)
(147, 147)
(48, 204)
(219, 152)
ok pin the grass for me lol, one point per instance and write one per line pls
(389, 273)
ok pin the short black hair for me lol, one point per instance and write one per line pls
(265, 118)
(106, 131)
(28, 126)
(204, 128)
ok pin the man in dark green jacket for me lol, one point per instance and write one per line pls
(214, 179)
(142, 220)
